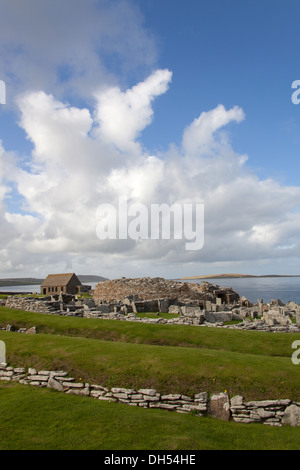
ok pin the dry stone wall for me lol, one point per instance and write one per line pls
(273, 412)
(269, 412)
(32, 304)
(147, 288)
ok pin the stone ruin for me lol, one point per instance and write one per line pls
(158, 294)
(203, 304)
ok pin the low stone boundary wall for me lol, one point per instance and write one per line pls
(31, 305)
(269, 412)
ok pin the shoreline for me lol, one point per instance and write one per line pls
(236, 276)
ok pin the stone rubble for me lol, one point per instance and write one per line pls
(202, 304)
(270, 412)
(31, 330)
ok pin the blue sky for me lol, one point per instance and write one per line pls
(161, 101)
(237, 53)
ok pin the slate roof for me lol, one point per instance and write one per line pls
(59, 280)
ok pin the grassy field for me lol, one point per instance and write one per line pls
(251, 342)
(41, 419)
(170, 358)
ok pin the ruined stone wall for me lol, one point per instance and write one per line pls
(141, 288)
(31, 304)
(270, 412)
(188, 315)
(147, 288)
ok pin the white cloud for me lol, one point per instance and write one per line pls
(199, 137)
(82, 159)
(70, 46)
(123, 115)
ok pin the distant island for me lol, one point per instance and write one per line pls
(28, 281)
(236, 276)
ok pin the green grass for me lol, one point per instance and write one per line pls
(250, 342)
(170, 358)
(155, 315)
(85, 295)
(42, 419)
(166, 368)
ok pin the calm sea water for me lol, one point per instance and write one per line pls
(34, 288)
(28, 288)
(267, 288)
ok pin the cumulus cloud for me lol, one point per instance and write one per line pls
(84, 158)
(69, 47)
(122, 116)
(199, 137)
(62, 64)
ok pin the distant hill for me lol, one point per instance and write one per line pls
(24, 281)
(19, 281)
(234, 276)
(84, 278)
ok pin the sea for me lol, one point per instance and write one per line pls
(285, 289)
(267, 288)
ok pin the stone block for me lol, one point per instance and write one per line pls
(75, 391)
(219, 406)
(58, 374)
(201, 396)
(52, 383)
(122, 390)
(2, 352)
(291, 416)
(97, 393)
(19, 370)
(147, 391)
(171, 397)
(237, 400)
(6, 373)
(164, 406)
(31, 330)
(175, 309)
(72, 385)
(40, 378)
(150, 398)
(163, 305)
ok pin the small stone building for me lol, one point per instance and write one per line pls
(65, 283)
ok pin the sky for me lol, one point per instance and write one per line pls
(146, 103)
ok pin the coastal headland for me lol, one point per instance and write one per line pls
(235, 276)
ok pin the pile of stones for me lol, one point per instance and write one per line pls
(147, 288)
